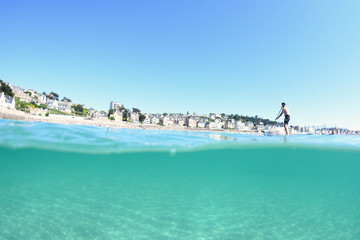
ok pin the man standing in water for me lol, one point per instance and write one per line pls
(286, 112)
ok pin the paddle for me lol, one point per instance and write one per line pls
(267, 131)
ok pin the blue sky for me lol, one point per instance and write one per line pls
(242, 57)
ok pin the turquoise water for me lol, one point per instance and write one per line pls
(78, 182)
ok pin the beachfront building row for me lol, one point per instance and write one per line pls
(210, 121)
(31, 96)
(207, 121)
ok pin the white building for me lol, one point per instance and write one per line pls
(239, 125)
(115, 105)
(33, 92)
(134, 116)
(39, 98)
(53, 104)
(165, 121)
(59, 105)
(168, 122)
(25, 97)
(310, 130)
(249, 125)
(64, 106)
(7, 101)
(180, 122)
(230, 124)
(190, 122)
(154, 120)
(212, 116)
(117, 115)
(15, 88)
(97, 114)
(201, 124)
(147, 119)
(213, 125)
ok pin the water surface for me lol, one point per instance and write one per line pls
(78, 182)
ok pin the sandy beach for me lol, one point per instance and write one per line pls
(101, 122)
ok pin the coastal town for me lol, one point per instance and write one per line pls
(29, 105)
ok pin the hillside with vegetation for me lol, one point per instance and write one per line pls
(6, 89)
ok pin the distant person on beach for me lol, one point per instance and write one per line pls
(284, 110)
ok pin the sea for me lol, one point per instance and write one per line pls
(83, 182)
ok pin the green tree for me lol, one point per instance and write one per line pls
(17, 103)
(65, 99)
(79, 109)
(86, 112)
(121, 109)
(32, 103)
(126, 113)
(111, 111)
(237, 117)
(43, 106)
(142, 117)
(23, 105)
(6, 89)
(53, 96)
(136, 110)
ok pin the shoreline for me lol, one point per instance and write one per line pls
(10, 114)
